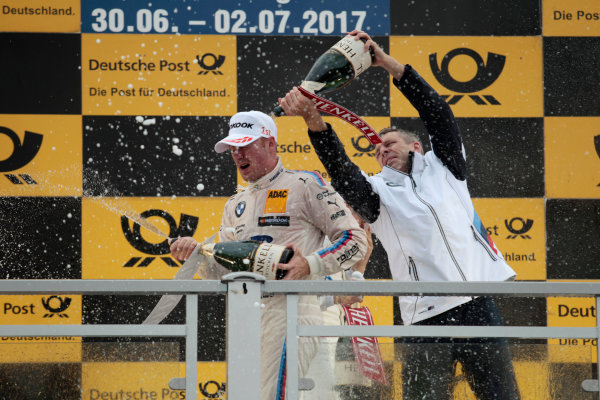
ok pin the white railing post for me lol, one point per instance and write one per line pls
(291, 345)
(191, 346)
(598, 346)
(593, 385)
(243, 335)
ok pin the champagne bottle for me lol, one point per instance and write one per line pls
(335, 68)
(250, 255)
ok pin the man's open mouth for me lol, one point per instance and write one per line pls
(244, 166)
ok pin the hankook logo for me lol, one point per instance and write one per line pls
(365, 148)
(518, 227)
(56, 305)
(487, 73)
(22, 154)
(241, 125)
(210, 63)
(187, 227)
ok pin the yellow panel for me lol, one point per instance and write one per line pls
(518, 228)
(532, 380)
(212, 377)
(128, 380)
(382, 310)
(38, 350)
(158, 74)
(576, 312)
(517, 88)
(146, 380)
(297, 152)
(55, 167)
(570, 18)
(397, 380)
(40, 310)
(40, 16)
(105, 249)
(462, 390)
(572, 157)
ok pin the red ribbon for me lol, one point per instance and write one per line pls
(336, 110)
(366, 349)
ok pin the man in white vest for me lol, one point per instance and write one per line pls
(420, 208)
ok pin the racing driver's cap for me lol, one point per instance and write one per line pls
(246, 127)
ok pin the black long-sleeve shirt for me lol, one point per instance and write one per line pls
(443, 131)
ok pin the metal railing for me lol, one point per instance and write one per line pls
(244, 291)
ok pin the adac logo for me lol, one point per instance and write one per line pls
(597, 145)
(56, 305)
(365, 148)
(210, 63)
(277, 194)
(518, 227)
(487, 73)
(187, 227)
(22, 154)
(212, 389)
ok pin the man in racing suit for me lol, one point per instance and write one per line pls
(420, 208)
(294, 208)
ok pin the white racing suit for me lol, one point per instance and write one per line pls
(297, 207)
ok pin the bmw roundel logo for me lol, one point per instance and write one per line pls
(239, 209)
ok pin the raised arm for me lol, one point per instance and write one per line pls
(433, 110)
(346, 177)
(438, 120)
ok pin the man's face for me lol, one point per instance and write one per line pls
(393, 151)
(255, 160)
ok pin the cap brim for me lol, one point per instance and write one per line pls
(235, 141)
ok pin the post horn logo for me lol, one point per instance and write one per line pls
(597, 145)
(212, 389)
(22, 154)
(210, 63)
(187, 227)
(362, 149)
(487, 73)
(518, 227)
(56, 305)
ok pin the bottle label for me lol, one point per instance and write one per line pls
(336, 110)
(354, 51)
(312, 86)
(266, 259)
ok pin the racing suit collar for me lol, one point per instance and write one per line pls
(269, 178)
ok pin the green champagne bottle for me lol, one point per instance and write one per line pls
(335, 68)
(250, 255)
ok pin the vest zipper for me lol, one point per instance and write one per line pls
(481, 242)
(432, 210)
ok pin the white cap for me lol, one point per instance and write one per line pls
(246, 127)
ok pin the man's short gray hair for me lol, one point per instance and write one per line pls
(408, 136)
